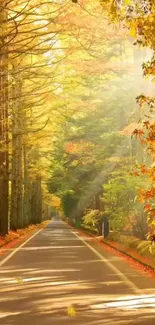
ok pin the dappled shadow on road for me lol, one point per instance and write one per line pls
(46, 277)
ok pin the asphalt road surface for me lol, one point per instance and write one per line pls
(58, 268)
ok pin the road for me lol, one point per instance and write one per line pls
(58, 268)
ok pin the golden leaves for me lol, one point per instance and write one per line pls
(55, 201)
(19, 280)
(133, 33)
(151, 18)
(128, 2)
(133, 28)
(71, 311)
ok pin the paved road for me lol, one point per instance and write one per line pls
(59, 269)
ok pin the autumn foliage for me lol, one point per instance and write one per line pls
(67, 71)
(139, 17)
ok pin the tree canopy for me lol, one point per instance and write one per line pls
(69, 75)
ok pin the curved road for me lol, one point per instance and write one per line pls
(58, 268)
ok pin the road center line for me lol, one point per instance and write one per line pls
(7, 258)
(123, 277)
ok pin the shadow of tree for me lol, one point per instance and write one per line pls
(55, 276)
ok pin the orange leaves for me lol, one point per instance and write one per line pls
(13, 236)
(146, 194)
(70, 146)
(141, 196)
(147, 207)
(78, 147)
(144, 170)
(81, 151)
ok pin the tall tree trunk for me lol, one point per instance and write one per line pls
(36, 201)
(16, 214)
(20, 178)
(13, 213)
(4, 173)
(27, 218)
(39, 200)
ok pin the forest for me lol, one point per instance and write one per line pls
(77, 130)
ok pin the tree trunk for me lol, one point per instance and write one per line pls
(27, 189)
(4, 164)
(19, 180)
(39, 199)
(16, 214)
(36, 201)
(13, 213)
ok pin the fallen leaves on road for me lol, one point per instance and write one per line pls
(71, 311)
(115, 250)
(14, 236)
(136, 263)
(19, 280)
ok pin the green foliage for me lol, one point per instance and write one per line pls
(69, 202)
(92, 218)
(128, 241)
(119, 198)
(92, 148)
(91, 142)
(131, 242)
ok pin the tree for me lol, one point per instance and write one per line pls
(4, 142)
(93, 144)
(58, 72)
(120, 201)
(139, 18)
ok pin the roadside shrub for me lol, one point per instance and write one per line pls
(146, 249)
(129, 241)
(93, 219)
(143, 247)
(114, 236)
(69, 203)
(90, 229)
